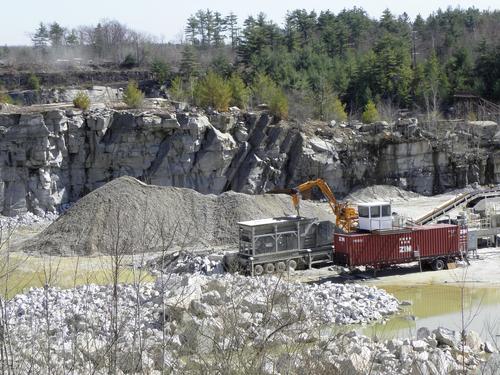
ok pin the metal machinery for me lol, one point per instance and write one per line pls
(278, 244)
(375, 216)
(346, 216)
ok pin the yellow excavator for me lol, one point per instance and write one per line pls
(346, 216)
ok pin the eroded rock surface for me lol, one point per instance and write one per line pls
(54, 157)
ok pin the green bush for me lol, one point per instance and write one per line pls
(265, 90)
(240, 94)
(278, 105)
(81, 101)
(161, 71)
(33, 82)
(5, 98)
(213, 91)
(177, 91)
(370, 114)
(338, 110)
(132, 96)
(129, 62)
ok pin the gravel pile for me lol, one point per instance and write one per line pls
(189, 323)
(380, 192)
(128, 216)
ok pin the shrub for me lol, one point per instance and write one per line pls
(240, 94)
(129, 62)
(5, 98)
(177, 91)
(370, 114)
(338, 110)
(213, 91)
(161, 71)
(81, 101)
(33, 82)
(132, 96)
(265, 90)
(278, 105)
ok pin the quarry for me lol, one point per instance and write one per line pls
(317, 194)
(117, 225)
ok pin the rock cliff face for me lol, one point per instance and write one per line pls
(51, 158)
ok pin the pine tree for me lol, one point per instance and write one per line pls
(370, 114)
(189, 64)
(98, 40)
(41, 37)
(191, 30)
(56, 34)
(240, 94)
(232, 27)
(202, 26)
(219, 29)
(72, 39)
(213, 91)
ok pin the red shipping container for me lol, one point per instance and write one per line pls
(402, 245)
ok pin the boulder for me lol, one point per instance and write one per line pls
(445, 336)
(489, 348)
(473, 341)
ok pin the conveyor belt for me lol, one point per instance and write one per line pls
(467, 199)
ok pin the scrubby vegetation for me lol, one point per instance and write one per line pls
(132, 96)
(33, 82)
(213, 91)
(5, 98)
(82, 101)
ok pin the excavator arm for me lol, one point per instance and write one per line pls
(346, 216)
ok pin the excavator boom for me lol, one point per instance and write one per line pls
(346, 216)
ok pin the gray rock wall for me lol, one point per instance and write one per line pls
(55, 157)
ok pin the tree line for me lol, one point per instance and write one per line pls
(329, 64)
(394, 62)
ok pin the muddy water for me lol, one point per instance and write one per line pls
(442, 305)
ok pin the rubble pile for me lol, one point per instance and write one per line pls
(183, 323)
(181, 262)
(27, 219)
(131, 217)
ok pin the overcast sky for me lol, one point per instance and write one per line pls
(165, 19)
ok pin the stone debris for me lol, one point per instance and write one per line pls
(182, 262)
(140, 218)
(27, 219)
(186, 322)
(380, 192)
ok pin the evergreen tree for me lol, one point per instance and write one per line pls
(98, 40)
(213, 91)
(232, 28)
(221, 65)
(219, 29)
(202, 26)
(370, 114)
(41, 37)
(191, 30)
(56, 34)
(240, 94)
(189, 64)
(72, 38)
(160, 70)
